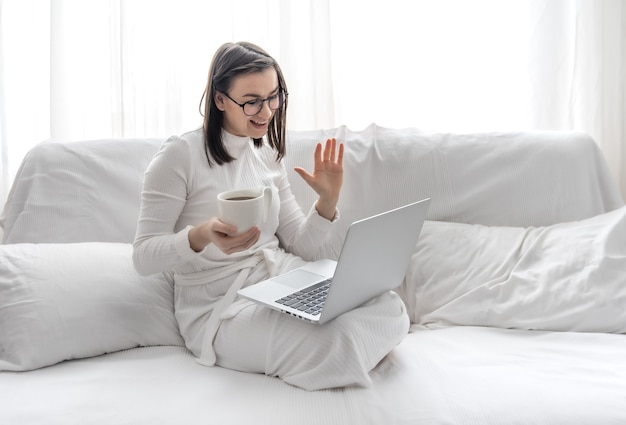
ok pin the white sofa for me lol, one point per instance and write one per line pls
(516, 290)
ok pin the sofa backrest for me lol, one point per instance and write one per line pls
(78, 191)
(520, 179)
(90, 190)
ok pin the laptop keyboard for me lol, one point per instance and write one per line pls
(309, 300)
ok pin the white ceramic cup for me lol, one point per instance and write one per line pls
(245, 208)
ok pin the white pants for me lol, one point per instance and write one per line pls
(339, 353)
(256, 339)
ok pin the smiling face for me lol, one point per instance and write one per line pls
(245, 88)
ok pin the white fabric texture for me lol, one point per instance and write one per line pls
(85, 191)
(68, 301)
(460, 375)
(564, 277)
(339, 353)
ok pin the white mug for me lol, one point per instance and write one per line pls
(245, 208)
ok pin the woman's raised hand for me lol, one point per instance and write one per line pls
(327, 176)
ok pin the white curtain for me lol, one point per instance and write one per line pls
(75, 69)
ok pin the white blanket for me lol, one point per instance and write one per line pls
(460, 375)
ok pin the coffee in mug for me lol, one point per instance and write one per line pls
(245, 208)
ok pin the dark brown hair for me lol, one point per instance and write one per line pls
(230, 61)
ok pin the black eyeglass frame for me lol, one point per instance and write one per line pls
(251, 103)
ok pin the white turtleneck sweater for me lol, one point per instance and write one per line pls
(180, 191)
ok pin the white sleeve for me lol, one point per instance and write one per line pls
(299, 233)
(157, 248)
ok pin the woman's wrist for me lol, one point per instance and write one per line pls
(326, 209)
(196, 241)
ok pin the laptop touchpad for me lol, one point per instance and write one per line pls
(298, 278)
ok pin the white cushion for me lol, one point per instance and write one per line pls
(565, 277)
(78, 192)
(67, 301)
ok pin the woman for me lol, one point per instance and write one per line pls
(241, 145)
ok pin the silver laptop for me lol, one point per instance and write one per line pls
(374, 258)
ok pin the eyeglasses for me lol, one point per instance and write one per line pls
(253, 107)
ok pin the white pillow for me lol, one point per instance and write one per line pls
(565, 277)
(68, 301)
